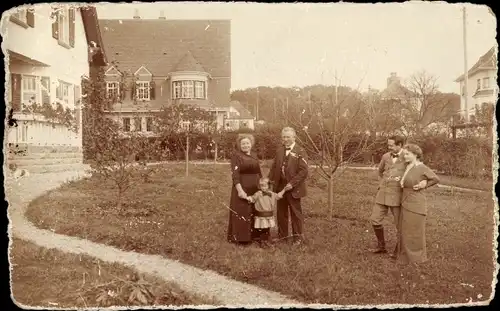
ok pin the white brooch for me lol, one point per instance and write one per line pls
(236, 167)
(397, 178)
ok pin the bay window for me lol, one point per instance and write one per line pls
(188, 89)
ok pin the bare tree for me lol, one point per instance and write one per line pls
(335, 132)
(423, 105)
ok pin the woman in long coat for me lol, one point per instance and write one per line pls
(417, 177)
(246, 172)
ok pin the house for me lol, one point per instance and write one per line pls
(49, 50)
(238, 117)
(482, 87)
(159, 62)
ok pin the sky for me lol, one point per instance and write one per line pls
(304, 43)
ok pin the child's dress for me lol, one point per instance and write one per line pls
(265, 205)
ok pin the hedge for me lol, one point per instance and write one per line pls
(464, 157)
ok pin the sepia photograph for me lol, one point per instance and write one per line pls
(250, 155)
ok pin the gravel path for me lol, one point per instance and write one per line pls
(202, 282)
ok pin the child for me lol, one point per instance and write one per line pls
(265, 205)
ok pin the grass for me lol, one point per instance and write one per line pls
(186, 219)
(44, 277)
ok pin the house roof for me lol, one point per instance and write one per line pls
(163, 46)
(93, 34)
(487, 61)
(244, 113)
(188, 63)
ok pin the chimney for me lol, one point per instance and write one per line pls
(162, 15)
(136, 14)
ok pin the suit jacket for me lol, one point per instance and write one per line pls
(296, 170)
(389, 190)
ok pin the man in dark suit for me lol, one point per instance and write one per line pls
(290, 170)
(391, 168)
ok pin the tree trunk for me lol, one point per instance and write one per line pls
(330, 196)
(119, 200)
(215, 151)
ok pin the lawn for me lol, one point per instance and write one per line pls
(186, 219)
(49, 278)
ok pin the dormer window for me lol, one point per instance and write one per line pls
(142, 90)
(112, 89)
(144, 85)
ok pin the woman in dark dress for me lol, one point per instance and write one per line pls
(246, 172)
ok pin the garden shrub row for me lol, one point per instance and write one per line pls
(465, 157)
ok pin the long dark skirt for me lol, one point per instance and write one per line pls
(240, 228)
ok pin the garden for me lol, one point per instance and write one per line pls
(185, 218)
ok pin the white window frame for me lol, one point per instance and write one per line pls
(37, 92)
(22, 134)
(486, 83)
(199, 89)
(64, 93)
(176, 89)
(21, 15)
(478, 84)
(112, 86)
(142, 90)
(63, 22)
(187, 89)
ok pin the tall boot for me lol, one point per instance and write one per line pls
(379, 233)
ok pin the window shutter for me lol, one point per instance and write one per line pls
(132, 90)
(30, 18)
(55, 25)
(152, 87)
(122, 90)
(72, 27)
(58, 90)
(16, 91)
(45, 90)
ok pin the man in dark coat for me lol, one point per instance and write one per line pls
(390, 170)
(290, 170)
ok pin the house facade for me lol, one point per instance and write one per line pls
(238, 117)
(158, 62)
(482, 88)
(48, 53)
